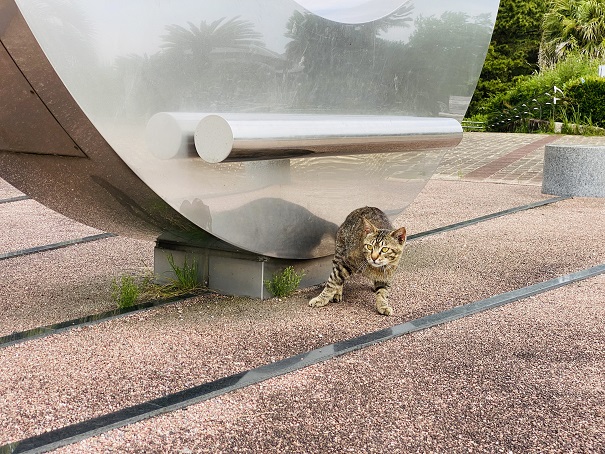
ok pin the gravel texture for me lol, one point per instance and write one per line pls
(54, 286)
(42, 226)
(457, 387)
(448, 202)
(7, 191)
(524, 378)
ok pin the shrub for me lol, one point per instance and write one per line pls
(532, 95)
(587, 95)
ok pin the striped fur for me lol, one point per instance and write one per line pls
(366, 243)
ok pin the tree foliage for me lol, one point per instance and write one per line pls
(514, 48)
(572, 26)
(329, 61)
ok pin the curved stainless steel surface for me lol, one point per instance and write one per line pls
(382, 58)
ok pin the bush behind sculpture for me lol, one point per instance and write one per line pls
(588, 95)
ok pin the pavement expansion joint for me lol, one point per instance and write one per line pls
(55, 328)
(181, 399)
(487, 217)
(53, 246)
(15, 199)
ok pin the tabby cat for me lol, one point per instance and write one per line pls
(366, 243)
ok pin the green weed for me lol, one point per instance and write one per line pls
(186, 277)
(125, 291)
(576, 124)
(284, 283)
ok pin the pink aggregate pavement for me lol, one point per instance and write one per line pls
(527, 377)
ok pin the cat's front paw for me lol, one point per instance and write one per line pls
(318, 301)
(337, 298)
(384, 309)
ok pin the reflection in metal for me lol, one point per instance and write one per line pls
(253, 137)
(352, 11)
(83, 86)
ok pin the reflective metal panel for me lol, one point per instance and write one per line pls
(377, 57)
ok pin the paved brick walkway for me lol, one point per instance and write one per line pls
(503, 157)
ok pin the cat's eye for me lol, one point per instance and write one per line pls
(385, 249)
(369, 247)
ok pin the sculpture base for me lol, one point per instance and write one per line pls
(229, 270)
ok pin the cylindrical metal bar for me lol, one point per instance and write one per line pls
(251, 137)
(221, 139)
(170, 134)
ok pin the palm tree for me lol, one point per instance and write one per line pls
(572, 26)
(206, 65)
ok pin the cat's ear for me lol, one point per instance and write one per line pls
(368, 227)
(399, 235)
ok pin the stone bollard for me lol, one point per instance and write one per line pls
(574, 170)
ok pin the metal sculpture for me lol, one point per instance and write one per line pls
(254, 125)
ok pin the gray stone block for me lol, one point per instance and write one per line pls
(574, 170)
(229, 270)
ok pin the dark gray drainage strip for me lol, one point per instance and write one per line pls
(52, 246)
(92, 427)
(487, 217)
(43, 331)
(15, 199)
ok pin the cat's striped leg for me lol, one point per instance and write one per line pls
(333, 289)
(382, 293)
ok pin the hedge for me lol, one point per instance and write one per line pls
(587, 95)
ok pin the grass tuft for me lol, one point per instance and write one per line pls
(125, 291)
(186, 276)
(284, 283)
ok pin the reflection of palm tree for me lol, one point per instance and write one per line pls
(215, 63)
(308, 30)
(340, 61)
(573, 25)
(201, 41)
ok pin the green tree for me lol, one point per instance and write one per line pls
(514, 48)
(572, 26)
